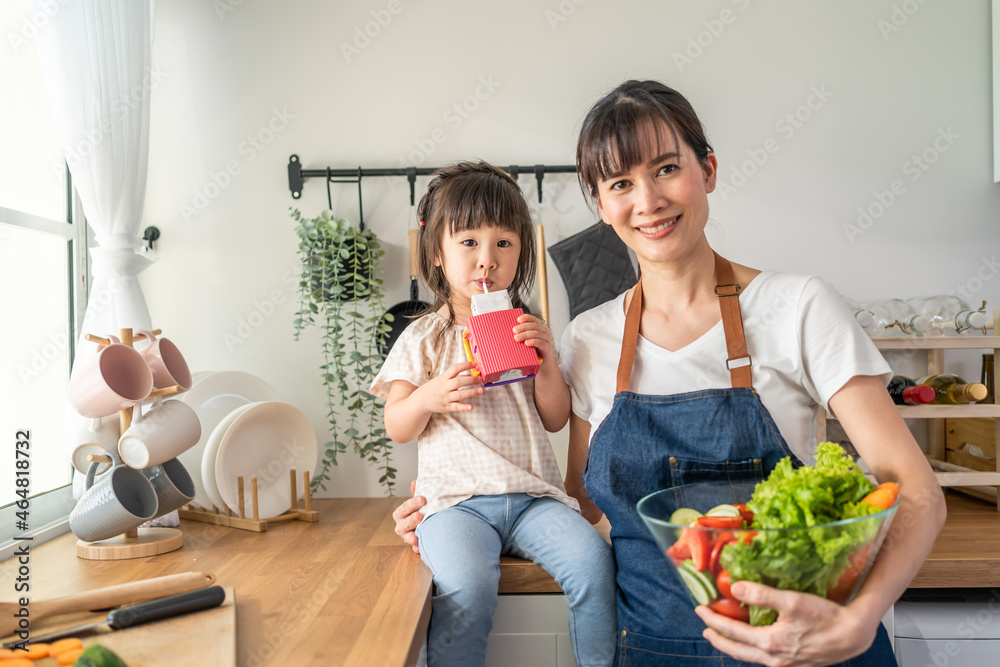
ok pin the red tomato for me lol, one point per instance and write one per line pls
(719, 521)
(721, 540)
(680, 551)
(744, 512)
(724, 585)
(731, 608)
(698, 541)
(849, 578)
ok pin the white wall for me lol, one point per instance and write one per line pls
(231, 68)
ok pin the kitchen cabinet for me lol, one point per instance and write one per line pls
(531, 630)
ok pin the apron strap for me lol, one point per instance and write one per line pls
(728, 291)
(732, 325)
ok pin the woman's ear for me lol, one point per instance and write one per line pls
(710, 166)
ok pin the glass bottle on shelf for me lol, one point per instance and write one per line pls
(895, 318)
(904, 391)
(948, 314)
(864, 316)
(987, 379)
(951, 389)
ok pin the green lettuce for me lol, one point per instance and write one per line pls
(810, 560)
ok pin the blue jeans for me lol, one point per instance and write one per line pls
(462, 546)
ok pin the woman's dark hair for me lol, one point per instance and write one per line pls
(615, 132)
(469, 195)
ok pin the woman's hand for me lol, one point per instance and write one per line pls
(446, 392)
(408, 517)
(809, 630)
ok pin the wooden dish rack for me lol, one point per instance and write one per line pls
(253, 522)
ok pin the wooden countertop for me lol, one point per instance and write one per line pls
(966, 553)
(346, 591)
(343, 591)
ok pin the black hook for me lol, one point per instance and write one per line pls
(361, 208)
(539, 175)
(411, 176)
(149, 235)
(514, 171)
(329, 197)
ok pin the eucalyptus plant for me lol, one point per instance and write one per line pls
(341, 292)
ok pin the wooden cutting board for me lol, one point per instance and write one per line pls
(203, 638)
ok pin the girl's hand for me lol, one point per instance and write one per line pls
(446, 392)
(809, 630)
(533, 333)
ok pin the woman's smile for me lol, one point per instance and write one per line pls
(653, 230)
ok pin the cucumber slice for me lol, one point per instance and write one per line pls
(684, 516)
(723, 510)
(700, 584)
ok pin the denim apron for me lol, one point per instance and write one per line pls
(648, 443)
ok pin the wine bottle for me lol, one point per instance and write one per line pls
(896, 318)
(953, 390)
(905, 391)
(987, 379)
(864, 316)
(948, 314)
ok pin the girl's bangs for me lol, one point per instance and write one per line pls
(484, 201)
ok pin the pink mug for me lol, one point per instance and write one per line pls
(165, 362)
(115, 378)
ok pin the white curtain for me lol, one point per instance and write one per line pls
(95, 57)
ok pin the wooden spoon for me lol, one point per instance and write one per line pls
(103, 598)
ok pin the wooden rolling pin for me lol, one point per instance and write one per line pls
(103, 598)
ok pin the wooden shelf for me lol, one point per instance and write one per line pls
(973, 342)
(949, 411)
(982, 484)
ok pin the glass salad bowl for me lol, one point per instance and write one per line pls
(710, 538)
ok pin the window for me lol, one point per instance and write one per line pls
(43, 268)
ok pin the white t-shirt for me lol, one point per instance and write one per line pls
(803, 341)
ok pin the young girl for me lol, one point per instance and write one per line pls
(485, 465)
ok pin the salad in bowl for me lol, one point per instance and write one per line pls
(814, 529)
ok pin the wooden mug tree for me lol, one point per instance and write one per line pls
(138, 542)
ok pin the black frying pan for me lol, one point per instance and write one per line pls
(403, 313)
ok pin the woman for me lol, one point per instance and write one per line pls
(718, 370)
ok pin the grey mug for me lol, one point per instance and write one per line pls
(122, 499)
(173, 485)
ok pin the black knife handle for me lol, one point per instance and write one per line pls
(165, 607)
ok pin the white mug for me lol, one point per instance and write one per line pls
(168, 429)
(94, 436)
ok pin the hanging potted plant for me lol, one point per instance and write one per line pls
(341, 292)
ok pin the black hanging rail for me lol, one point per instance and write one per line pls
(296, 174)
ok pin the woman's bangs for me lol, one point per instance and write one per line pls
(628, 136)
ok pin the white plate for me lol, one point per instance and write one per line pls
(213, 396)
(208, 458)
(266, 441)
